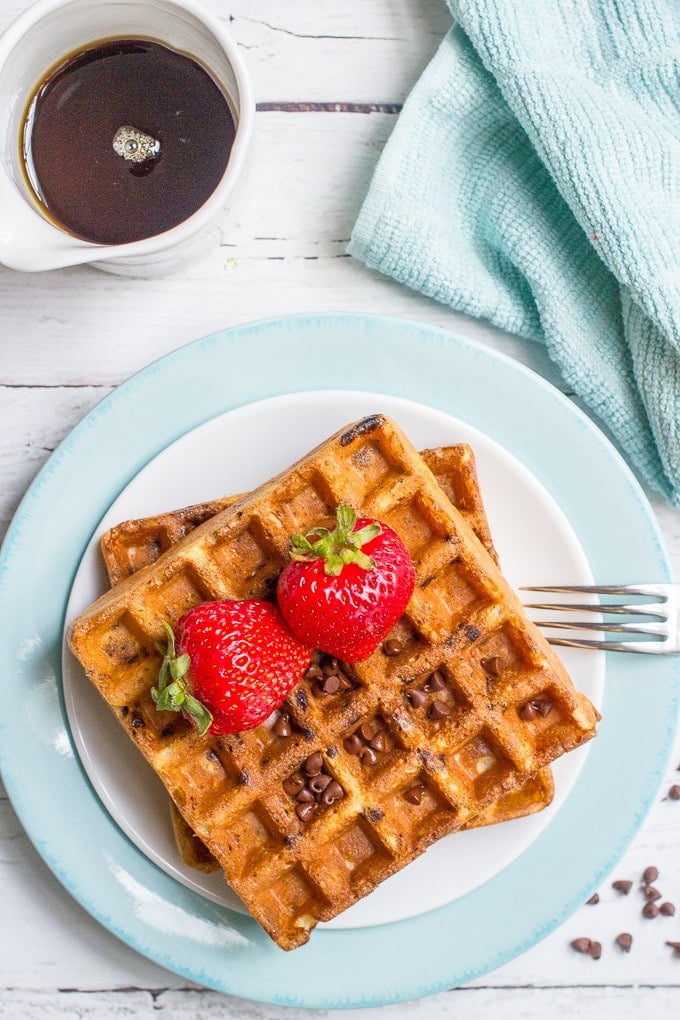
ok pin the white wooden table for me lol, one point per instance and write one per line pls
(329, 78)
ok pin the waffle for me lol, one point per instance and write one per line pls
(131, 545)
(411, 747)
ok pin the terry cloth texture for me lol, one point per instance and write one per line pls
(533, 178)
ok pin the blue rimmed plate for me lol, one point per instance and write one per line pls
(206, 941)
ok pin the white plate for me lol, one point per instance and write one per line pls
(235, 452)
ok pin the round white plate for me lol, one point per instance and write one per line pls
(235, 452)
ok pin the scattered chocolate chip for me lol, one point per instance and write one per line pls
(368, 730)
(650, 875)
(595, 898)
(378, 743)
(674, 792)
(392, 647)
(650, 909)
(301, 699)
(137, 722)
(436, 682)
(374, 814)
(582, 945)
(543, 706)
(332, 751)
(527, 712)
(675, 946)
(414, 794)
(595, 950)
(313, 764)
(367, 756)
(282, 726)
(314, 672)
(668, 909)
(492, 666)
(305, 796)
(623, 886)
(417, 698)
(317, 784)
(438, 710)
(651, 893)
(331, 684)
(471, 632)
(330, 667)
(344, 682)
(304, 811)
(332, 793)
(625, 941)
(293, 785)
(352, 744)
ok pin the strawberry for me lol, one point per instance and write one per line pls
(344, 590)
(229, 665)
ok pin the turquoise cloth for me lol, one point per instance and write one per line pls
(533, 179)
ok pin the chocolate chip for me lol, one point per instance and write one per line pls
(438, 710)
(368, 730)
(304, 811)
(651, 893)
(650, 875)
(332, 751)
(301, 699)
(137, 722)
(437, 682)
(674, 792)
(332, 793)
(471, 632)
(305, 796)
(392, 647)
(374, 814)
(595, 950)
(675, 946)
(595, 898)
(293, 785)
(582, 945)
(416, 698)
(625, 941)
(378, 743)
(527, 712)
(668, 909)
(414, 794)
(367, 756)
(650, 909)
(344, 682)
(317, 784)
(331, 684)
(543, 706)
(313, 764)
(282, 726)
(352, 744)
(622, 885)
(330, 667)
(492, 666)
(314, 672)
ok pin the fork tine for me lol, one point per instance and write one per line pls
(601, 589)
(651, 647)
(639, 609)
(653, 629)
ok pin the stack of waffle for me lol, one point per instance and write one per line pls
(449, 724)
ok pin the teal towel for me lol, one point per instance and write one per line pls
(533, 179)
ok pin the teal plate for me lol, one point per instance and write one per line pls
(117, 884)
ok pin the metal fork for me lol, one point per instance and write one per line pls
(661, 637)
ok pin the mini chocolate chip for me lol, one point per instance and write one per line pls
(352, 744)
(527, 711)
(331, 684)
(332, 793)
(282, 726)
(301, 699)
(332, 751)
(668, 909)
(378, 743)
(438, 710)
(650, 875)
(675, 946)
(416, 698)
(674, 792)
(581, 945)
(305, 796)
(650, 909)
(330, 667)
(137, 722)
(543, 706)
(437, 681)
(622, 885)
(314, 672)
(595, 950)
(367, 756)
(317, 784)
(471, 632)
(492, 666)
(392, 647)
(368, 730)
(125, 709)
(625, 941)
(293, 785)
(344, 682)
(651, 893)
(595, 898)
(304, 811)
(374, 814)
(414, 794)
(313, 764)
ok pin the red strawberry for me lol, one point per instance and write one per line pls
(234, 663)
(344, 590)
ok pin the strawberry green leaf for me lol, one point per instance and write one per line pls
(176, 696)
(339, 547)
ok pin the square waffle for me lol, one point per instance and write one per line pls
(129, 546)
(447, 736)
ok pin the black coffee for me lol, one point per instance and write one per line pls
(125, 139)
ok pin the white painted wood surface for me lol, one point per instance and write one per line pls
(67, 338)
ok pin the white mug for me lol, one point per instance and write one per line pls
(34, 43)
